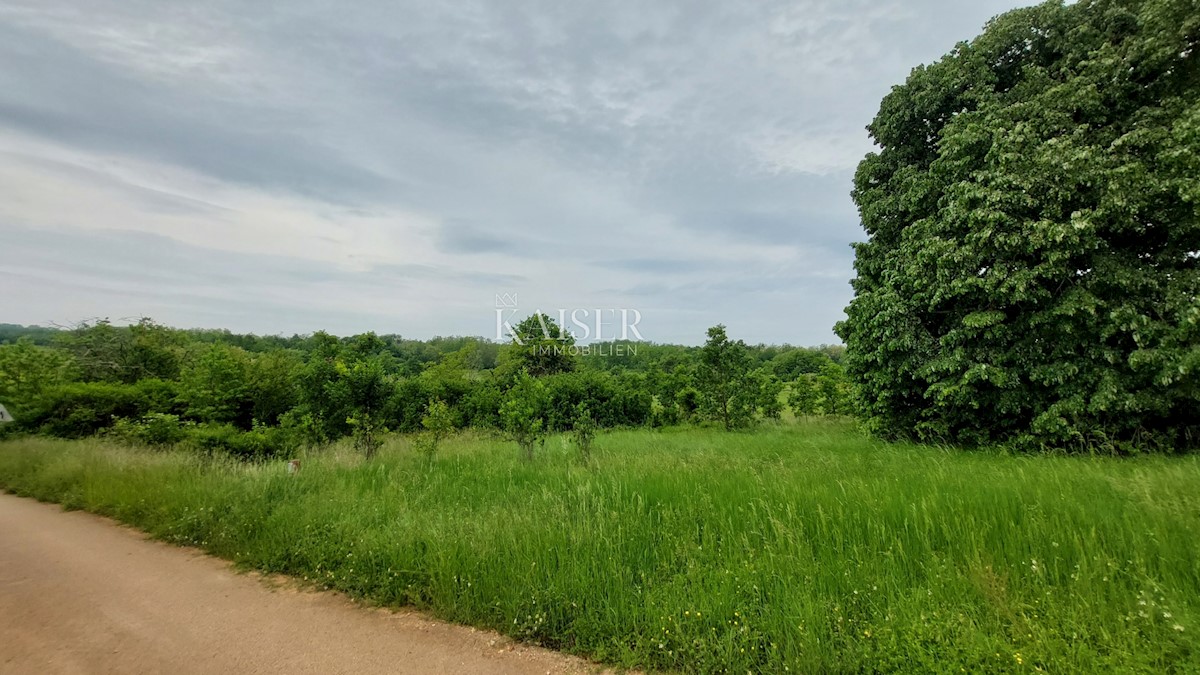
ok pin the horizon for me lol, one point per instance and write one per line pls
(127, 321)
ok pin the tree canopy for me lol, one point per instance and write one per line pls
(262, 396)
(1033, 261)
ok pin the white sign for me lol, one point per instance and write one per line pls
(4, 416)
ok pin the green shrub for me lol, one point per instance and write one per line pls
(481, 406)
(770, 389)
(155, 429)
(523, 413)
(256, 444)
(805, 397)
(438, 424)
(583, 432)
(688, 400)
(27, 370)
(664, 415)
(84, 408)
(614, 400)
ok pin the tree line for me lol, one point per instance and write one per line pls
(253, 396)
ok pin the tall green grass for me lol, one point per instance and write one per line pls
(802, 548)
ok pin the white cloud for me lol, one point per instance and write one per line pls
(54, 186)
(777, 151)
(692, 158)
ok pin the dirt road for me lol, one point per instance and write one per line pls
(80, 594)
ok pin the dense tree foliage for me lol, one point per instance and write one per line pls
(27, 371)
(252, 396)
(1033, 265)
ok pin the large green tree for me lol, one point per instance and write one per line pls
(1032, 270)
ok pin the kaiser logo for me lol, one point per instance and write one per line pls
(583, 324)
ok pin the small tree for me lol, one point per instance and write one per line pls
(438, 424)
(522, 414)
(728, 393)
(583, 432)
(365, 430)
(126, 354)
(805, 398)
(272, 384)
(542, 347)
(366, 387)
(770, 389)
(835, 390)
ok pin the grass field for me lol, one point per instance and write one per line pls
(805, 547)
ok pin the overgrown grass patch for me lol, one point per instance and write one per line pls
(801, 548)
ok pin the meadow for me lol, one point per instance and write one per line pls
(797, 547)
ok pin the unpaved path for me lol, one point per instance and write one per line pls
(81, 594)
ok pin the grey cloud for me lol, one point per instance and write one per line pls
(526, 134)
(156, 201)
(459, 237)
(661, 265)
(170, 280)
(59, 92)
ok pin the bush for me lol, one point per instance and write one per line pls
(82, 409)
(770, 389)
(480, 408)
(627, 408)
(407, 405)
(805, 397)
(155, 429)
(523, 413)
(565, 392)
(583, 432)
(438, 424)
(257, 444)
(664, 415)
(613, 400)
(688, 401)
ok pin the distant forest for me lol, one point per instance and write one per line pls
(259, 396)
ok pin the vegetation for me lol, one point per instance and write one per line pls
(154, 385)
(542, 347)
(438, 426)
(805, 548)
(726, 388)
(1031, 282)
(1033, 269)
(583, 432)
(523, 413)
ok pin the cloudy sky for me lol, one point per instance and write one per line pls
(282, 167)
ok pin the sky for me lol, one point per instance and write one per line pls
(407, 167)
